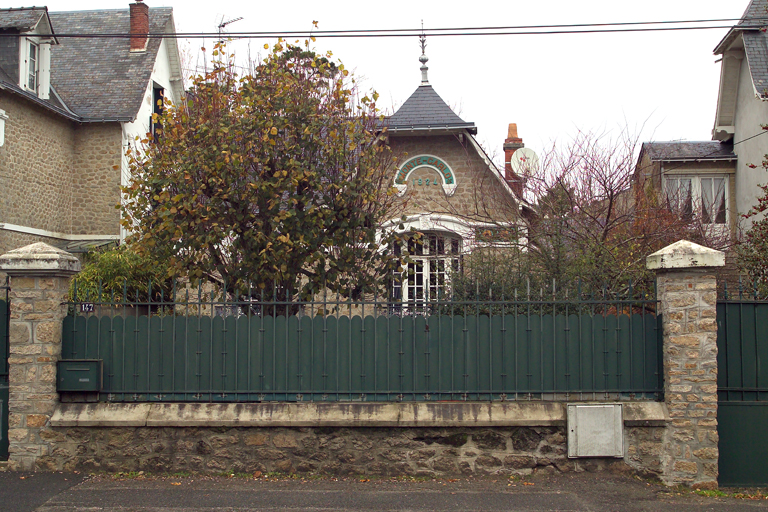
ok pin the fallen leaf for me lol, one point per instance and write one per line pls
(175, 483)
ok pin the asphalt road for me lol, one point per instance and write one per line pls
(594, 492)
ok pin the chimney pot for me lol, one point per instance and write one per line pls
(512, 144)
(139, 26)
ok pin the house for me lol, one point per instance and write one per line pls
(742, 101)
(450, 189)
(722, 175)
(69, 109)
(695, 178)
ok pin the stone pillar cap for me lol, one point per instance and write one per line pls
(685, 254)
(39, 259)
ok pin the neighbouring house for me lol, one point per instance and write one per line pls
(718, 180)
(70, 106)
(696, 179)
(451, 190)
(742, 101)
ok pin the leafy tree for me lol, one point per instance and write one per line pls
(118, 274)
(276, 180)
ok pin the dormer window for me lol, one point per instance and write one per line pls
(33, 66)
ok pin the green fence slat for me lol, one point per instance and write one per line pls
(624, 353)
(67, 339)
(733, 349)
(4, 329)
(483, 350)
(280, 363)
(332, 355)
(241, 356)
(216, 357)
(444, 337)
(722, 351)
(368, 355)
(382, 359)
(573, 359)
(496, 354)
(761, 341)
(749, 350)
(180, 362)
(157, 355)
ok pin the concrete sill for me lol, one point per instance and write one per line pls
(374, 414)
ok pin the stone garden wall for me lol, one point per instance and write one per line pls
(336, 451)
(676, 439)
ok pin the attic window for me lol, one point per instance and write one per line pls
(158, 93)
(33, 66)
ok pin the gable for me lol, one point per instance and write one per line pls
(450, 175)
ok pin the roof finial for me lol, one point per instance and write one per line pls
(423, 59)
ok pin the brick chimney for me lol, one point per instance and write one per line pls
(511, 144)
(139, 26)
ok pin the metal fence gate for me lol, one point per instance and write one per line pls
(4, 352)
(742, 382)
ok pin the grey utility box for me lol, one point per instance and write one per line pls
(595, 430)
(79, 375)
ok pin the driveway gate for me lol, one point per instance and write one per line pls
(742, 381)
(4, 321)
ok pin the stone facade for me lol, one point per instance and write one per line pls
(57, 175)
(479, 196)
(335, 451)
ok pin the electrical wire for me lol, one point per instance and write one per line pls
(584, 28)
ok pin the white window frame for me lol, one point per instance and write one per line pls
(696, 194)
(27, 65)
(428, 277)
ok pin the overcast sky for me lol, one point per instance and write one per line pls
(550, 85)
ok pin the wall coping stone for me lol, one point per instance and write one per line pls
(685, 254)
(372, 414)
(39, 259)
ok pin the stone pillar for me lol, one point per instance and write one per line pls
(40, 276)
(687, 293)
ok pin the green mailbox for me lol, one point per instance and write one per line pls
(79, 375)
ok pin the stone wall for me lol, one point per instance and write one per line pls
(57, 175)
(336, 451)
(35, 167)
(479, 195)
(96, 179)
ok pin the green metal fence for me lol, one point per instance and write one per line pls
(742, 382)
(4, 353)
(550, 348)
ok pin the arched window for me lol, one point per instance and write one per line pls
(435, 256)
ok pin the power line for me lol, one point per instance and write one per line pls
(584, 28)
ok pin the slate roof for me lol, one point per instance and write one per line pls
(22, 19)
(707, 150)
(754, 19)
(101, 79)
(426, 109)
(755, 14)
